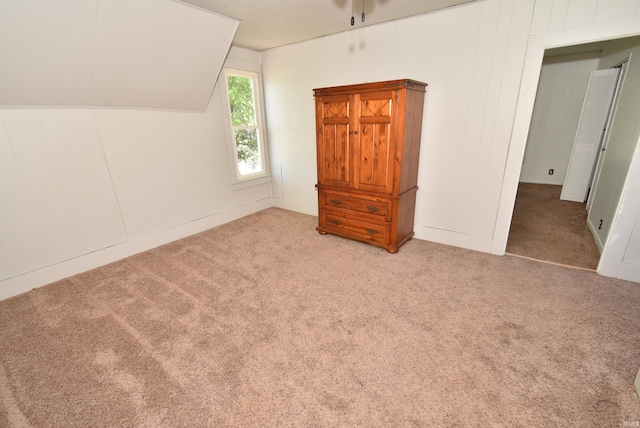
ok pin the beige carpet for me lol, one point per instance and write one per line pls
(263, 322)
(546, 228)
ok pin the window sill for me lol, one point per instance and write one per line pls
(251, 182)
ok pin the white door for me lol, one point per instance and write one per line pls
(591, 128)
(605, 139)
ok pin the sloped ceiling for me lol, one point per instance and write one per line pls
(158, 54)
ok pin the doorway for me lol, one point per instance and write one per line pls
(544, 227)
(617, 203)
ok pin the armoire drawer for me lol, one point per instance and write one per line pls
(376, 206)
(348, 225)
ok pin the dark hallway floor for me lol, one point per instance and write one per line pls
(548, 229)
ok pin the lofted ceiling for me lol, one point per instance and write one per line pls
(269, 24)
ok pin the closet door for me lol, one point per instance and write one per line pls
(591, 129)
(376, 141)
(605, 139)
(334, 149)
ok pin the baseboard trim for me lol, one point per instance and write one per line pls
(25, 282)
(452, 238)
(309, 209)
(596, 237)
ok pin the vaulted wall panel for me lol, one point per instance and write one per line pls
(47, 52)
(158, 54)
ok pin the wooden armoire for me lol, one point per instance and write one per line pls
(368, 144)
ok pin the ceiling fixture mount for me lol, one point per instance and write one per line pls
(353, 8)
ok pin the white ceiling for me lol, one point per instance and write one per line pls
(269, 24)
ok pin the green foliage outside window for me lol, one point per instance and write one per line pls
(247, 146)
(243, 114)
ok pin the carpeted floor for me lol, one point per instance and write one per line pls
(546, 228)
(263, 322)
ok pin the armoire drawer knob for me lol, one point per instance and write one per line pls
(335, 222)
(373, 209)
(371, 231)
(335, 201)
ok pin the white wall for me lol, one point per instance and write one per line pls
(632, 253)
(471, 56)
(571, 17)
(624, 261)
(83, 187)
(56, 193)
(563, 83)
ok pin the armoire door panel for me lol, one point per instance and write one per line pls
(375, 158)
(335, 154)
(334, 149)
(375, 148)
(376, 107)
(335, 108)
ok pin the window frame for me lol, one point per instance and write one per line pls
(264, 175)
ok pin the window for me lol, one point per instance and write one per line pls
(245, 118)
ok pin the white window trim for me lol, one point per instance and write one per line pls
(251, 70)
